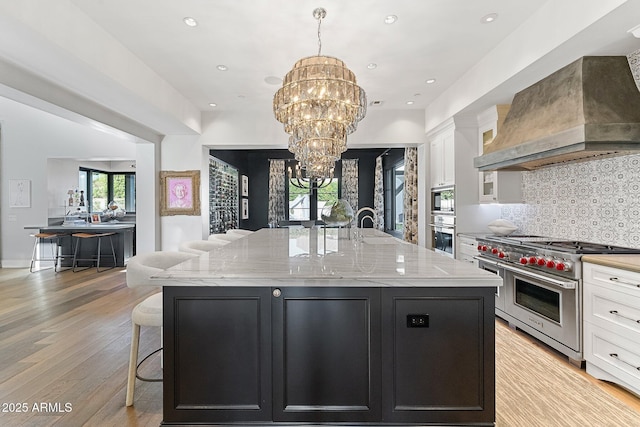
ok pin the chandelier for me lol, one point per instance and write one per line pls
(302, 178)
(319, 104)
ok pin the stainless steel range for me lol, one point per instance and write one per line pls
(542, 292)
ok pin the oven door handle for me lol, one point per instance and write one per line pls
(565, 284)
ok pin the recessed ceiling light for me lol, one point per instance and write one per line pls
(213, 104)
(376, 103)
(489, 18)
(372, 66)
(190, 21)
(273, 80)
(430, 81)
(222, 67)
(390, 19)
(409, 102)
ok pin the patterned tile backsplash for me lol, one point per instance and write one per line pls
(595, 201)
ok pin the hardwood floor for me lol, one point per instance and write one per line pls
(64, 349)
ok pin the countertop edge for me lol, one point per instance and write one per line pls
(625, 262)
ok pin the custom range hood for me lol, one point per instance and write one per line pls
(588, 109)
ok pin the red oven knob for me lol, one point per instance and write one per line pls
(533, 260)
(484, 248)
(524, 260)
(541, 262)
(551, 263)
(479, 247)
(502, 255)
(564, 266)
(494, 250)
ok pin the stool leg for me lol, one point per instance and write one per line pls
(33, 255)
(98, 256)
(75, 255)
(133, 362)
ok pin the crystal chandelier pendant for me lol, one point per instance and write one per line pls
(319, 104)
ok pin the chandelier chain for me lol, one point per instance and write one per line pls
(319, 17)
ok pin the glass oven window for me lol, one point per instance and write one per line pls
(540, 300)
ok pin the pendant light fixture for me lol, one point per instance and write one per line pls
(319, 104)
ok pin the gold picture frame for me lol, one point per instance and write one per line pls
(180, 193)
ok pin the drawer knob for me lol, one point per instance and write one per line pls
(615, 356)
(615, 313)
(624, 282)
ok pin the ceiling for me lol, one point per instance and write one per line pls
(259, 41)
(434, 39)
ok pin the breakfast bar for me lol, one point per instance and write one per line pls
(293, 326)
(123, 241)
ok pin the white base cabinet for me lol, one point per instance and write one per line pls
(612, 325)
(467, 249)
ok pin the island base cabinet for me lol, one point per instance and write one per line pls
(328, 355)
(438, 350)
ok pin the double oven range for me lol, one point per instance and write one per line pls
(542, 286)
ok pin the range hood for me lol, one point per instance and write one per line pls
(588, 109)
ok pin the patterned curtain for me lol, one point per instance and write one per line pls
(634, 64)
(378, 195)
(350, 182)
(410, 203)
(276, 192)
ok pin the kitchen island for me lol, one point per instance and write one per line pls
(291, 326)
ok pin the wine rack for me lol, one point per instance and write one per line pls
(223, 196)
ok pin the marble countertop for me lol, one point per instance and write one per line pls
(302, 257)
(625, 262)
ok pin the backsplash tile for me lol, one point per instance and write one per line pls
(596, 201)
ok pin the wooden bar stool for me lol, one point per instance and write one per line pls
(52, 239)
(83, 236)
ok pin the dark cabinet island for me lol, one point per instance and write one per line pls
(285, 328)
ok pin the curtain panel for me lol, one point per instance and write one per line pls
(276, 192)
(410, 202)
(378, 195)
(350, 182)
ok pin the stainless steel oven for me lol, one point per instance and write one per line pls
(443, 232)
(545, 305)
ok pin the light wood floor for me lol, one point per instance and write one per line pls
(64, 343)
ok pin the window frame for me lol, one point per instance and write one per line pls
(313, 193)
(110, 191)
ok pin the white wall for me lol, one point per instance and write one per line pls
(252, 129)
(181, 153)
(29, 138)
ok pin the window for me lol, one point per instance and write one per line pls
(306, 204)
(103, 187)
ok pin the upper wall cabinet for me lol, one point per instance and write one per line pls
(442, 153)
(495, 186)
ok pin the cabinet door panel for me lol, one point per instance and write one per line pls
(440, 369)
(326, 356)
(219, 364)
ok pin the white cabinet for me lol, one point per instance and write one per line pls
(612, 324)
(442, 152)
(467, 249)
(496, 187)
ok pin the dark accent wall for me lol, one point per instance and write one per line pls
(255, 165)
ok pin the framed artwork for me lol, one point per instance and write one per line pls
(245, 186)
(245, 208)
(180, 193)
(19, 193)
(95, 218)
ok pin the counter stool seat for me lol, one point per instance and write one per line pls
(83, 236)
(53, 241)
